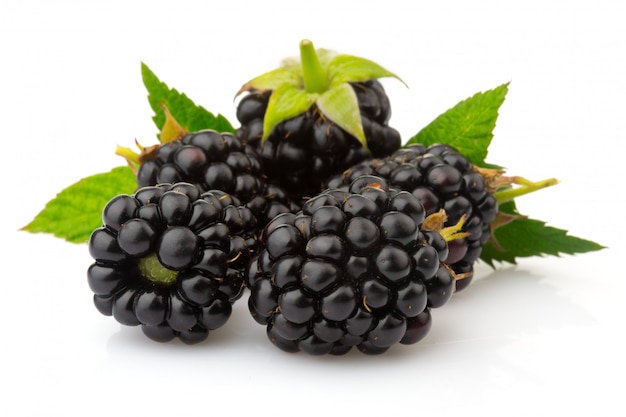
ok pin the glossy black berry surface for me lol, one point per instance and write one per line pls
(352, 269)
(300, 153)
(171, 259)
(216, 161)
(442, 179)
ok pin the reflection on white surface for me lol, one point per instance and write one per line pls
(508, 335)
(539, 337)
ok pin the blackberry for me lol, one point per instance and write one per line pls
(337, 119)
(442, 179)
(212, 161)
(374, 108)
(171, 259)
(352, 268)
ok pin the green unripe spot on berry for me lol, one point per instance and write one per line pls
(150, 267)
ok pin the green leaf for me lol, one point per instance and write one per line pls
(468, 126)
(77, 210)
(286, 102)
(340, 105)
(348, 68)
(527, 237)
(190, 116)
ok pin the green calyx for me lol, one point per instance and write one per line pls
(319, 78)
(151, 268)
(171, 130)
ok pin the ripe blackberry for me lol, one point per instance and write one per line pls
(374, 108)
(171, 259)
(352, 268)
(214, 161)
(303, 143)
(442, 179)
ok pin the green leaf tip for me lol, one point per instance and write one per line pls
(523, 237)
(77, 210)
(528, 237)
(468, 126)
(188, 114)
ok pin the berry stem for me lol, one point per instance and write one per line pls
(312, 72)
(527, 187)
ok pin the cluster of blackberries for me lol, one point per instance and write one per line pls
(330, 237)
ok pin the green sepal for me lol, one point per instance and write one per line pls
(77, 210)
(331, 74)
(350, 69)
(286, 102)
(340, 105)
(272, 79)
(290, 72)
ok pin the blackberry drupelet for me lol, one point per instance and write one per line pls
(250, 113)
(215, 161)
(171, 259)
(302, 146)
(442, 179)
(301, 152)
(352, 268)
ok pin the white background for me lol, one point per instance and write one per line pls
(544, 337)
